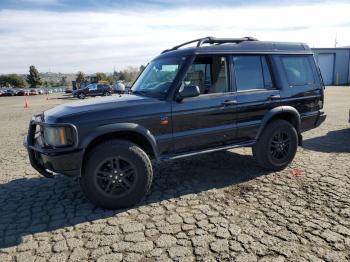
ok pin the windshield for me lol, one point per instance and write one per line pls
(157, 77)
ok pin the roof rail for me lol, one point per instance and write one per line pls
(212, 40)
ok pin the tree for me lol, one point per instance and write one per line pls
(34, 78)
(80, 77)
(63, 81)
(13, 80)
(142, 67)
(101, 76)
(111, 79)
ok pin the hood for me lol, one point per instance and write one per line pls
(94, 105)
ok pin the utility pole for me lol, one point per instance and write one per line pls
(335, 41)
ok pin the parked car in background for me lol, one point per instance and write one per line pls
(68, 91)
(33, 92)
(10, 92)
(40, 91)
(93, 90)
(2, 93)
(21, 92)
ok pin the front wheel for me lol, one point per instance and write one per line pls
(116, 174)
(277, 145)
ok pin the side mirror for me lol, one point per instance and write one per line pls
(188, 91)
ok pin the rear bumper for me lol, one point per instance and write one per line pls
(312, 120)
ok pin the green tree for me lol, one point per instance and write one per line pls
(34, 78)
(101, 76)
(111, 79)
(13, 80)
(80, 77)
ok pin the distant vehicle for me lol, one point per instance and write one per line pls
(40, 91)
(9, 92)
(21, 92)
(68, 91)
(93, 90)
(2, 93)
(119, 87)
(33, 92)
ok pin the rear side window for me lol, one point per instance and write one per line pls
(298, 70)
(252, 72)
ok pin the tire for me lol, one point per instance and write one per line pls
(81, 96)
(277, 146)
(106, 94)
(127, 186)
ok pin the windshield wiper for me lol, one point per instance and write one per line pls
(138, 92)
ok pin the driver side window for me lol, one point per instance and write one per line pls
(209, 74)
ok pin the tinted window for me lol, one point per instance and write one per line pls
(298, 70)
(252, 72)
(209, 74)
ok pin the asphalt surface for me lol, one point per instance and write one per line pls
(214, 207)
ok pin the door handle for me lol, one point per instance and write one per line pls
(274, 97)
(229, 102)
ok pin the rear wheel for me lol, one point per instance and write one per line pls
(277, 146)
(106, 94)
(81, 96)
(116, 174)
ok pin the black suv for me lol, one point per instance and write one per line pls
(220, 94)
(93, 90)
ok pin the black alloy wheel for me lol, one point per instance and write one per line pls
(276, 146)
(280, 146)
(116, 176)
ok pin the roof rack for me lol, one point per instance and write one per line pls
(212, 40)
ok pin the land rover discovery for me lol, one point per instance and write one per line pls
(219, 94)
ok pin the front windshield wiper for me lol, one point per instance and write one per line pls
(149, 94)
(139, 92)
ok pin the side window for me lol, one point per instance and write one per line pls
(252, 72)
(298, 70)
(209, 74)
(92, 87)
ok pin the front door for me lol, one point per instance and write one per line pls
(207, 120)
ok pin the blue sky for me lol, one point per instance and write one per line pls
(93, 35)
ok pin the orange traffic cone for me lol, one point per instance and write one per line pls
(26, 104)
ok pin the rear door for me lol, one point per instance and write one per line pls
(256, 92)
(302, 80)
(206, 120)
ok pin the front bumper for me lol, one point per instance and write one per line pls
(312, 120)
(48, 161)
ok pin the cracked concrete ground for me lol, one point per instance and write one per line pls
(213, 207)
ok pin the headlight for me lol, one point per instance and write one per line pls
(58, 136)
